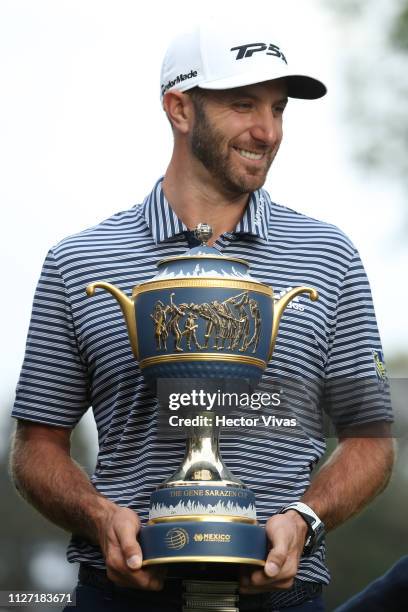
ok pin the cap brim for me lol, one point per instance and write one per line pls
(305, 87)
(299, 85)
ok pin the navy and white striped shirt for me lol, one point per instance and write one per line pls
(78, 353)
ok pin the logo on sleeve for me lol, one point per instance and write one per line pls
(379, 364)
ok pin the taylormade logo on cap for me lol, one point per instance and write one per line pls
(179, 78)
(251, 48)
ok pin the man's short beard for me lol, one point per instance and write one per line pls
(207, 144)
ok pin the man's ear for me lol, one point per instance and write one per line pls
(179, 110)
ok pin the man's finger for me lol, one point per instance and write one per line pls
(276, 559)
(126, 532)
(141, 579)
(256, 578)
(280, 540)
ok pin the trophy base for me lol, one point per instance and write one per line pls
(215, 595)
(201, 539)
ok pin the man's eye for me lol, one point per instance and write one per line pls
(243, 105)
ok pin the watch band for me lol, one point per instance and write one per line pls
(316, 530)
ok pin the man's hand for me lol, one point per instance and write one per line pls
(287, 534)
(122, 552)
(44, 472)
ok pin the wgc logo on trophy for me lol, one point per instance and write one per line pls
(202, 317)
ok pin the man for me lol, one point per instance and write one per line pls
(224, 90)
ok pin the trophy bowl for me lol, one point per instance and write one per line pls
(202, 316)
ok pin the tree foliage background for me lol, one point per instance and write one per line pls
(373, 39)
(373, 42)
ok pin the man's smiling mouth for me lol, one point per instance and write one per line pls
(249, 154)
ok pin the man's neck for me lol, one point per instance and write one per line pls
(195, 199)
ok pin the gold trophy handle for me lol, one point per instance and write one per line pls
(280, 306)
(127, 307)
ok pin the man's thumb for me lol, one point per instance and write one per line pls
(126, 535)
(272, 569)
(134, 561)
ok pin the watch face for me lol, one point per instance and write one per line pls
(316, 530)
(310, 520)
(315, 534)
(314, 541)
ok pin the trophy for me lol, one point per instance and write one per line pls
(202, 317)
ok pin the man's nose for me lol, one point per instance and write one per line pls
(267, 128)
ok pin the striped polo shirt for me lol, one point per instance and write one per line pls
(78, 353)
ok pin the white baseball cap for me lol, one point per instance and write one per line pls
(216, 55)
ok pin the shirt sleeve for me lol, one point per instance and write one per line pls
(53, 386)
(356, 384)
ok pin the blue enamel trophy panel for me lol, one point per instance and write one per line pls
(197, 332)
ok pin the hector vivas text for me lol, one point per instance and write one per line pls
(203, 400)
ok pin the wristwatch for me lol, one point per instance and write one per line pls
(315, 527)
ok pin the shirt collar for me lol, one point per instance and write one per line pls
(164, 223)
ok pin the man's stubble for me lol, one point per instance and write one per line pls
(209, 145)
